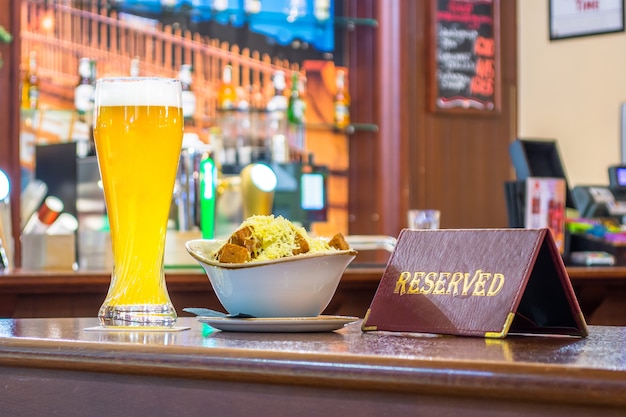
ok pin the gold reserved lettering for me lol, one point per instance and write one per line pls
(401, 283)
(429, 282)
(479, 287)
(454, 283)
(480, 284)
(447, 276)
(440, 285)
(496, 285)
(467, 285)
(414, 288)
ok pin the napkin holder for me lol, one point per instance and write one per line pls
(42, 252)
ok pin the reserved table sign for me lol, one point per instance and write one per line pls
(476, 282)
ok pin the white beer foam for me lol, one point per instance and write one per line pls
(138, 92)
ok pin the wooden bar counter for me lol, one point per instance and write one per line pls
(600, 291)
(55, 367)
(79, 294)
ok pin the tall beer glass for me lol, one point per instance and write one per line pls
(138, 130)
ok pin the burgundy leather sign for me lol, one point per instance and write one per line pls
(476, 282)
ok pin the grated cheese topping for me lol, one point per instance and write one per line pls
(278, 237)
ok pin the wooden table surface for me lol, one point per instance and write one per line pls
(580, 274)
(56, 367)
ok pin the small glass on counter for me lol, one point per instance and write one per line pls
(423, 219)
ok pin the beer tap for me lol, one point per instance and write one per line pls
(5, 222)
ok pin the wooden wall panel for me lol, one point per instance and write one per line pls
(9, 106)
(457, 163)
(366, 203)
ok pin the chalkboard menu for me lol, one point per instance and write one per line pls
(465, 62)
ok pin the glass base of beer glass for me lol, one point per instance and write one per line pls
(149, 315)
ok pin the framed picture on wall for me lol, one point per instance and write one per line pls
(464, 56)
(575, 18)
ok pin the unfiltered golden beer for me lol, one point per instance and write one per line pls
(138, 128)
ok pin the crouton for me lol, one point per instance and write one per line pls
(233, 254)
(339, 242)
(301, 245)
(245, 237)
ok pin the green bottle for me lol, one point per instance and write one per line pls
(296, 105)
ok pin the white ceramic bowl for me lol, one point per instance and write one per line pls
(295, 286)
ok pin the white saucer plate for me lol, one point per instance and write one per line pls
(279, 324)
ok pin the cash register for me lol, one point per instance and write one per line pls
(607, 204)
(601, 201)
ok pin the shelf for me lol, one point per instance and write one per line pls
(352, 22)
(349, 130)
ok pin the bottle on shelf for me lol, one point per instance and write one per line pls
(227, 120)
(296, 116)
(247, 149)
(277, 116)
(30, 84)
(84, 102)
(227, 95)
(341, 101)
(84, 91)
(94, 72)
(257, 99)
(296, 105)
(279, 84)
(135, 67)
(188, 96)
(257, 120)
(90, 149)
